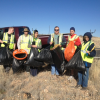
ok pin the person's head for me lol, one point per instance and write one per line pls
(26, 31)
(35, 33)
(87, 36)
(72, 30)
(10, 30)
(56, 30)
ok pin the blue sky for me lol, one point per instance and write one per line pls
(40, 14)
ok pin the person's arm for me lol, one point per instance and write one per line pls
(31, 40)
(19, 42)
(63, 41)
(14, 43)
(40, 45)
(78, 42)
(91, 52)
(1, 38)
(49, 40)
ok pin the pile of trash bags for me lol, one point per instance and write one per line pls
(31, 61)
(36, 59)
(44, 56)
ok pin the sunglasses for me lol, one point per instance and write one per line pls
(56, 30)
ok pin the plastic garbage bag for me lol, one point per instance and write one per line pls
(5, 56)
(31, 61)
(45, 56)
(76, 62)
(58, 58)
(17, 65)
(69, 50)
(20, 55)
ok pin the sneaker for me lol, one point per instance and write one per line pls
(71, 78)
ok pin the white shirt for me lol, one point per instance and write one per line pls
(19, 42)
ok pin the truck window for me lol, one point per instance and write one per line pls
(1, 31)
(6, 30)
(21, 29)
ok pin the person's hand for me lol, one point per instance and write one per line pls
(51, 43)
(88, 52)
(14, 49)
(1, 41)
(34, 46)
(59, 45)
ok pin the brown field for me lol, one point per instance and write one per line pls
(47, 87)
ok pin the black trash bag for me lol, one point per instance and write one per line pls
(5, 56)
(31, 61)
(45, 56)
(58, 58)
(17, 65)
(76, 63)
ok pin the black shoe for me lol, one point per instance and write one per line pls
(27, 68)
(84, 88)
(77, 86)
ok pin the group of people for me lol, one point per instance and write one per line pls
(26, 41)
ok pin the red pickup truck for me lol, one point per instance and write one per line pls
(18, 30)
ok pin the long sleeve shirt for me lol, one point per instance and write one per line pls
(19, 43)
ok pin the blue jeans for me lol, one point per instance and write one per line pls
(54, 70)
(83, 78)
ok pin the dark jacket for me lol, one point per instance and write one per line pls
(92, 54)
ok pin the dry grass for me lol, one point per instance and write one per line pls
(46, 87)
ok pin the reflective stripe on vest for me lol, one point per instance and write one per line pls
(60, 39)
(83, 52)
(24, 42)
(71, 39)
(37, 43)
(5, 39)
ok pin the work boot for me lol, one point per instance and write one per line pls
(84, 88)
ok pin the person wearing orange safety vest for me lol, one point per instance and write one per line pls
(72, 37)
